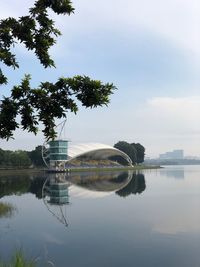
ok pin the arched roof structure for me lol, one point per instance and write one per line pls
(96, 150)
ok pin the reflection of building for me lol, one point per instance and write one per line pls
(83, 155)
(58, 193)
(97, 184)
(175, 154)
(176, 173)
(56, 197)
(58, 187)
(57, 190)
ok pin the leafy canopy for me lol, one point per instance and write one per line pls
(140, 152)
(135, 150)
(128, 149)
(48, 101)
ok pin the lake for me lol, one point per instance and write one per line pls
(148, 218)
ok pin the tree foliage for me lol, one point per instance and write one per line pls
(135, 150)
(36, 157)
(17, 158)
(128, 149)
(140, 152)
(49, 101)
(35, 30)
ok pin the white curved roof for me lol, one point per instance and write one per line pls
(75, 150)
(81, 149)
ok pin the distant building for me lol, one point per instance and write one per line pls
(175, 154)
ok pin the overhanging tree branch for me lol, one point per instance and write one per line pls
(49, 101)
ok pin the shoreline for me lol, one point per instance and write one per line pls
(40, 170)
(96, 169)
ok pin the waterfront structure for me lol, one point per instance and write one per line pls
(175, 154)
(60, 155)
(58, 152)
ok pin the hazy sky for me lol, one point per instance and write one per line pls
(150, 49)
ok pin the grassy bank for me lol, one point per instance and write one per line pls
(6, 209)
(18, 260)
(19, 171)
(40, 170)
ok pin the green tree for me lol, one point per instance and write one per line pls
(37, 32)
(1, 156)
(140, 152)
(36, 156)
(20, 159)
(128, 149)
(14, 158)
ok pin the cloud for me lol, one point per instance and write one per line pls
(15, 8)
(175, 20)
(166, 123)
(183, 110)
(172, 116)
(174, 103)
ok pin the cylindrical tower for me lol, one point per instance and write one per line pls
(58, 154)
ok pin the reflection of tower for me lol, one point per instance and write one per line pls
(56, 196)
(58, 192)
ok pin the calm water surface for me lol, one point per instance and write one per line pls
(150, 218)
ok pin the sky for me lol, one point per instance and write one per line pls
(149, 49)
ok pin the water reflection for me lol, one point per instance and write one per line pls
(98, 184)
(58, 188)
(136, 186)
(177, 173)
(21, 184)
(162, 229)
(6, 210)
(55, 196)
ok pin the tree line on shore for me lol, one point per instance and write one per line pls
(21, 158)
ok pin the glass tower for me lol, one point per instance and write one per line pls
(58, 153)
